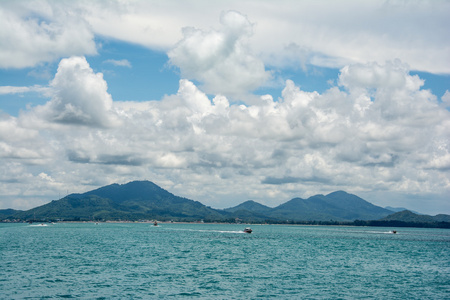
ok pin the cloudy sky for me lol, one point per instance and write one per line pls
(225, 101)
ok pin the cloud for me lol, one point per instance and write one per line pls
(118, 63)
(292, 33)
(446, 99)
(392, 75)
(79, 96)
(5, 90)
(31, 34)
(378, 130)
(300, 34)
(335, 35)
(276, 181)
(220, 59)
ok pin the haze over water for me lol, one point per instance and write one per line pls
(215, 261)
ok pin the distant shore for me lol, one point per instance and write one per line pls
(356, 223)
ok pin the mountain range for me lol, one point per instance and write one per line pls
(144, 200)
(337, 206)
(135, 200)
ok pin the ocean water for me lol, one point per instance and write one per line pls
(216, 261)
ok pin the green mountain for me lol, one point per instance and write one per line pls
(354, 207)
(5, 213)
(410, 217)
(250, 205)
(144, 200)
(398, 209)
(132, 201)
(337, 206)
(314, 208)
(442, 218)
(250, 211)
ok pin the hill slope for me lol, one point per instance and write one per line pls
(250, 211)
(250, 205)
(5, 213)
(337, 206)
(145, 200)
(408, 216)
(131, 201)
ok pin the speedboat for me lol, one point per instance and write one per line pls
(42, 224)
(248, 230)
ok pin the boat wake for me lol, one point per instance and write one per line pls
(206, 230)
(375, 232)
(380, 232)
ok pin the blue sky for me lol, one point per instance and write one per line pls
(228, 101)
(149, 76)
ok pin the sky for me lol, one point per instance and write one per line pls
(227, 101)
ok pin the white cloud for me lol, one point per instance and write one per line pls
(378, 130)
(446, 99)
(119, 63)
(13, 89)
(286, 33)
(5, 90)
(293, 33)
(32, 32)
(381, 133)
(392, 75)
(338, 34)
(79, 96)
(221, 60)
(18, 142)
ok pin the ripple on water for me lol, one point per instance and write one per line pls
(217, 261)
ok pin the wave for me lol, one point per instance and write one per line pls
(205, 230)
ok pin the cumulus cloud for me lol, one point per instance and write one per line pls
(300, 34)
(294, 33)
(377, 131)
(220, 59)
(372, 75)
(79, 96)
(35, 32)
(446, 99)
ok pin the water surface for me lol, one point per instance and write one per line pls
(216, 261)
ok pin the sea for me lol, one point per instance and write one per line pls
(220, 261)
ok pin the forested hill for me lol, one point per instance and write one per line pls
(144, 200)
(338, 206)
(135, 200)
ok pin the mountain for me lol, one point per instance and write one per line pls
(354, 207)
(337, 206)
(5, 213)
(250, 211)
(442, 218)
(250, 205)
(144, 200)
(410, 217)
(395, 209)
(398, 209)
(132, 201)
(314, 208)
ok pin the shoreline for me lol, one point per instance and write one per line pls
(357, 223)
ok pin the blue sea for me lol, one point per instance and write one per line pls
(219, 261)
